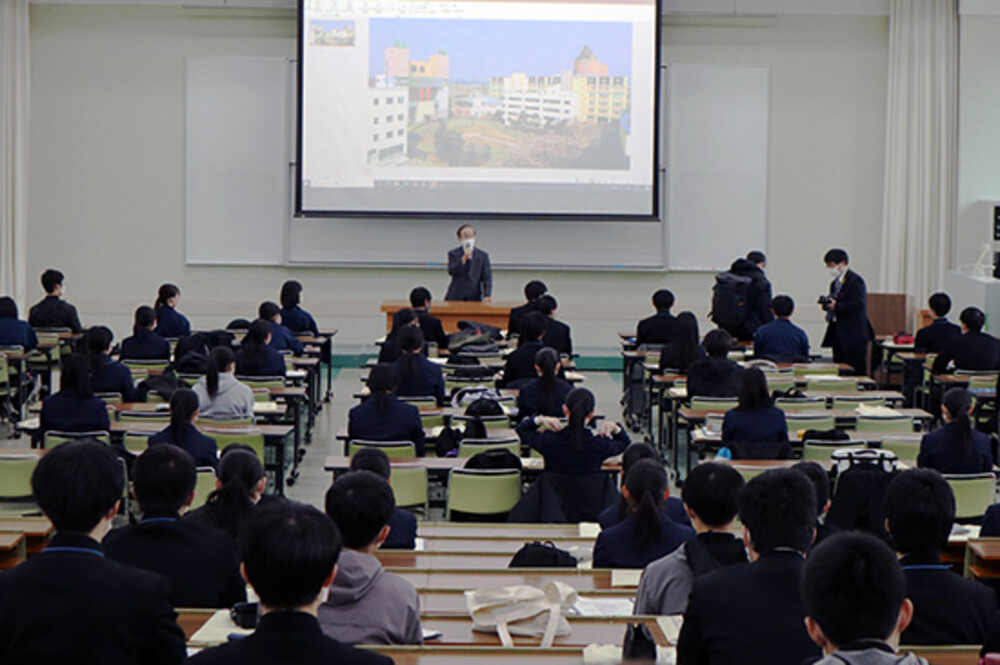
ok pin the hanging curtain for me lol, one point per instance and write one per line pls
(14, 93)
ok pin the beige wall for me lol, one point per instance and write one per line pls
(107, 201)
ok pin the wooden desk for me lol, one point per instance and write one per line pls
(36, 531)
(499, 545)
(457, 630)
(452, 601)
(443, 560)
(452, 311)
(495, 531)
(982, 558)
(12, 549)
(581, 580)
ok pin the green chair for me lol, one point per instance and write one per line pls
(841, 384)
(261, 395)
(267, 382)
(821, 451)
(884, 424)
(148, 366)
(713, 404)
(906, 448)
(110, 398)
(392, 449)
(420, 401)
(139, 375)
(851, 401)
(483, 491)
(136, 442)
(974, 493)
(144, 416)
(795, 404)
(54, 438)
(15, 484)
(797, 421)
(246, 421)
(409, 485)
(249, 436)
(432, 419)
(749, 472)
(979, 380)
(779, 381)
(470, 447)
(804, 369)
(204, 485)
(491, 422)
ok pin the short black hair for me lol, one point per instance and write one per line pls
(778, 508)
(291, 292)
(663, 300)
(268, 310)
(756, 256)
(163, 478)
(638, 451)
(532, 326)
(940, 304)
(820, 478)
(373, 460)
(51, 278)
(535, 289)
(419, 296)
(360, 503)
(383, 378)
(710, 491)
(853, 587)
(546, 304)
(919, 509)
(288, 551)
(783, 305)
(835, 255)
(463, 227)
(78, 483)
(8, 308)
(973, 318)
(718, 343)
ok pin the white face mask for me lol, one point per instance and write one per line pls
(834, 272)
(468, 243)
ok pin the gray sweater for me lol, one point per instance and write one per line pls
(234, 399)
(870, 657)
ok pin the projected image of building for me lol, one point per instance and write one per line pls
(387, 110)
(426, 82)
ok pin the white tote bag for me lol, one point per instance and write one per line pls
(522, 610)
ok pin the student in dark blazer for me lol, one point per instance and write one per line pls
(52, 311)
(848, 330)
(182, 433)
(470, 270)
(238, 490)
(934, 338)
(144, 344)
(108, 376)
(533, 290)
(757, 608)
(418, 376)
(403, 523)
(74, 408)
(672, 507)
(557, 333)
(781, 340)
(519, 366)
(820, 478)
(383, 416)
(401, 319)
(956, 447)
(293, 316)
(646, 534)
(755, 420)
(758, 305)
(716, 375)
(659, 328)
(169, 322)
(991, 522)
(545, 395)
(13, 331)
(573, 448)
(685, 348)
(948, 609)
(420, 301)
(282, 339)
(255, 357)
(71, 604)
(289, 553)
(973, 350)
(197, 560)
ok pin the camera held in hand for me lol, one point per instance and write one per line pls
(824, 301)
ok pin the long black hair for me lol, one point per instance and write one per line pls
(183, 404)
(165, 293)
(232, 503)
(291, 294)
(219, 360)
(145, 318)
(686, 341)
(382, 381)
(547, 362)
(76, 371)
(958, 401)
(634, 453)
(753, 390)
(580, 403)
(255, 341)
(411, 340)
(646, 482)
(8, 308)
(96, 342)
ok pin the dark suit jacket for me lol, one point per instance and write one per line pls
(972, 351)
(197, 560)
(283, 339)
(202, 448)
(714, 377)
(748, 609)
(53, 312)
(402, 531)
(615, 547)
(516, 316)
(671, 358)
(558, 337)
(557, 448)
(75, 606)
(757, 426)
(432, 329)
(657, 329)
(400, 422)
(520, 364)
(529, 399)
(269, 364)
(851, 327)
(942, 450)
(472, 280)
(287, 638)
(14, 332)
(933, 338)
(66, 411)
(171, 323)
(991, 522)
(114, 377)
(426, 379)
(947, 608)
(298, 320)
(145, 345)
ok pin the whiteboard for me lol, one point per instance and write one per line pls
(717, 138)
(237, 115)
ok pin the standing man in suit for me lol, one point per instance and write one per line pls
(52, 311)
(659, 328)
(70, 604)
(420, 301)
(848, 331)
(471, 274)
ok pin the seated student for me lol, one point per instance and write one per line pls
(659, 328)
(403, 523)
(144, 344)
(519, 366)
(935, 337)
(757, 608)
(716, 375)
(296, 319)
(74, 408)
(855, 599)
(383, 416)
(956, 447)
(573, 448)
(52, 311)
(533, 290)
(647, 533)
(672, 507)
(220, 394)
(256, 357)
(420, 301)
(418, 376)
(282, 339)
(685, 349)
(710, 500)
(169, 322)
(182, 433)
(289, 553)
(403, 318)
(973, 349)
(70, 604)
(820, 478)
(107, 375)
(238, 489)
(557, 333)
(197, 560)
(546, 394)
(755, 421)
(948, 609)
(13, 331)
(367, 605)
(781, 340)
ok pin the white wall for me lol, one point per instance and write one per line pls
(107, 168)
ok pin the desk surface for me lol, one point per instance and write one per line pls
(497, 545)
(493, 531)
(29, 526)
(847, 414)
(452, 601)
(10, 539)
(581, 580)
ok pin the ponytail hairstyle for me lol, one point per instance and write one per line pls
(634, 453)
(411, 340)
(255, 341)
(291, 294)
(646, 482)
(547, 361)
(382, 381)
(219, 360)
(958, 401)
(580, 403)
(96, 342)
(686, 339)
(145, 318)
(76, 372)
(165, 293)
(239, 472)
(183, 404)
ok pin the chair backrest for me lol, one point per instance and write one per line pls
(4, 368)
(469, 447)
(973, 493)
(261, 394)
(139, 375)
(749, 471)
(110, 398)
(419, 400)
(714, 404)
(779, 380)
(821, 451)
(906, 448)
(203, 486)
(841, 383)
(146, 365)
(409, 485)
(263, 381)
(226, 422)
(490, 422)
(431, 419)
(792, 404)
(15, 475)
(884, 424)
(797, 421)
(483, 492)
(144, 416)
(136, 442)
(844, 401)
(53, 438)
(802, 369)
(249, 436)
(392, 449)
(979, 380)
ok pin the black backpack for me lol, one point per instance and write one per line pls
(496, 458)
(729, 300)
(542, 555)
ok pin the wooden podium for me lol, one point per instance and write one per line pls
(452, 311)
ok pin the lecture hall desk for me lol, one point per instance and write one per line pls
(36, 531)
(452, 601)
(12, 549)
(451, 312)
(581, 580)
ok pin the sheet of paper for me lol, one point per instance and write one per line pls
(595, 606)
(879, 411)
(589, 529)
(263, 407)
(217, 630)
(671, 626)
(419, 544)
(610, 654)
(625, 577)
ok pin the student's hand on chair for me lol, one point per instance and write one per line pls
(608, 429)
(548, 423)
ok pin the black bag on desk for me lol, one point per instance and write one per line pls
(639, 645)
(497, 458)
(826, 435)
(542, 555)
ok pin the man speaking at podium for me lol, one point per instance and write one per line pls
(471, 274)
